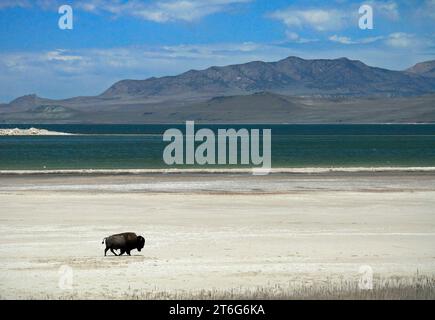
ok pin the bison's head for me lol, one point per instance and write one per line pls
(140, 243)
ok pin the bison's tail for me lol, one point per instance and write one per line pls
(103, 240)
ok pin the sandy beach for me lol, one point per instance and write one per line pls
(211, 232)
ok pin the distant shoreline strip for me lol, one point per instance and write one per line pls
(313, 170)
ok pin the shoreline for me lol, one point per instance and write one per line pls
(255, 171)
(221, 183)
(217, 123)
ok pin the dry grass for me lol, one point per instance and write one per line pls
(419, 287)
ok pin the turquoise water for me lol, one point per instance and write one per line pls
(141, 146)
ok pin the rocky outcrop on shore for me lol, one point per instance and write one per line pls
(30, 132)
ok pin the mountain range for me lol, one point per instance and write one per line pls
(292, 90)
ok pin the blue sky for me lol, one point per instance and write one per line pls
(118, 39)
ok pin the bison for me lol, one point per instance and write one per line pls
(125, 242)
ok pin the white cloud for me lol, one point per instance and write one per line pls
(294, 37)
(317, 19)
(52, 5)
(161, 11)
(388, 9)
(4, 4)
(427, 10)
(333, 19)
(58, 61)
(348, 40)
(401, 40)
(61, 55)
(341, 39)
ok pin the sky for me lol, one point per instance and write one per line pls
(113, 40)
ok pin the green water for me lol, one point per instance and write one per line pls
(141, 146)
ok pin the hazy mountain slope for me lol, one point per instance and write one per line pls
(272, 108)
(28, 101)
(256, 108)
(245, 108)
(426, 69)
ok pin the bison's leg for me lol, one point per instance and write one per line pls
(122, 252)
(113, 251)
(105, 251)
(128, 252)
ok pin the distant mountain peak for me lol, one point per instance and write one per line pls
(292, 75)
(28, 99)
(426, 69)
(292, 58)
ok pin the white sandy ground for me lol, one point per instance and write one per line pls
(204, 241)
